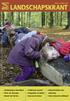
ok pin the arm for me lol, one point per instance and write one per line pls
(30, 49)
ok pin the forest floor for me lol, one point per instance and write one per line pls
(7, 72)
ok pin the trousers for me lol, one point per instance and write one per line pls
(25, 73)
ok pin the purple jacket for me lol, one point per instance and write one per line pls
(26, 52)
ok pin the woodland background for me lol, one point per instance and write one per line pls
(36, 19)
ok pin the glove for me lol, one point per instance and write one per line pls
(43, 55)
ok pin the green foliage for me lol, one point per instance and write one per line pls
(35, 19)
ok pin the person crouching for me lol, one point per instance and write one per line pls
(25, 54)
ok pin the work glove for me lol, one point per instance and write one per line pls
(43, 55)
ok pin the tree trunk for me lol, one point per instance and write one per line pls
(24, 22)
(29, 18)
(0, 19)
(12, 17)
(51, 19)
(68, 23)
(43, 18)
(61, 19)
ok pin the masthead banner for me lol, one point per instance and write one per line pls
(34, 5)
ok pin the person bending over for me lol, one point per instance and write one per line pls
(25, 54)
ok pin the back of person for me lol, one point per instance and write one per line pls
(25, 52)
(22, 36)
(22, 30)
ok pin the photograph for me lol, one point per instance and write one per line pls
(35, 48)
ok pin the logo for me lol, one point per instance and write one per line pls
(5, 5)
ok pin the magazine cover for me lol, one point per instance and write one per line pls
(34, 50)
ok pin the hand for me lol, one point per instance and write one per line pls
(43, 55)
